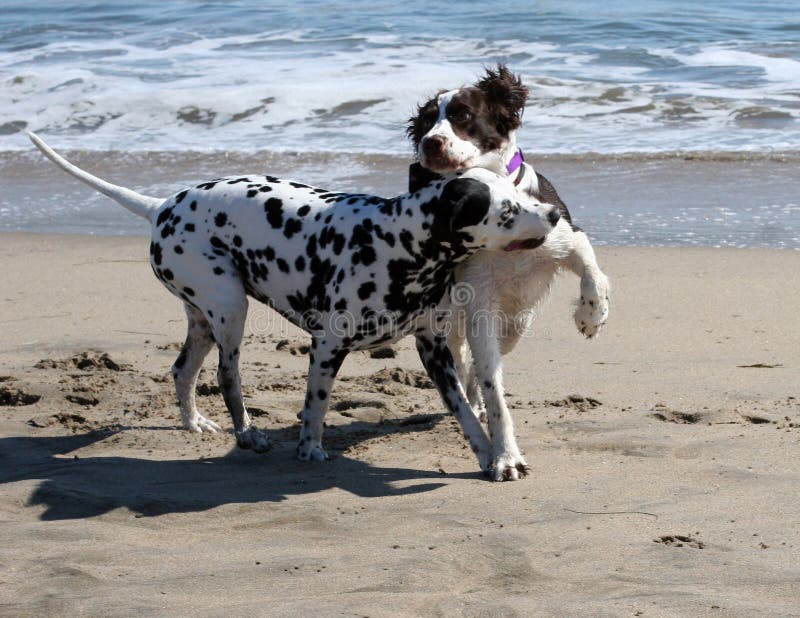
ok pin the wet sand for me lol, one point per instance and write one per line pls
(665, 456)
(679, 199)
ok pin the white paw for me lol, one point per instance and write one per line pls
(592, 311)
(253, 439)
(508, 467)
(307, 450)
(206, 424)
(200, 423)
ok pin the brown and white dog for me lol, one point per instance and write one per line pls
(497, 292)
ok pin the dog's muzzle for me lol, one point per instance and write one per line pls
(531, 243)
(519, 245)
(434, 155)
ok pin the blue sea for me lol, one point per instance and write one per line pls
(624, 78)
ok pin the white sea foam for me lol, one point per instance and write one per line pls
(248, 75)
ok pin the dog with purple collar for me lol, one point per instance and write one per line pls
(354, 271)
(499, 292)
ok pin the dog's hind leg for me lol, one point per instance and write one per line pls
(226, 312)
(325, 359)
(474, 395)
(199, 342)
(457, 343)
(438, 362)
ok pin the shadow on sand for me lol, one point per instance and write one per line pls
(75, 487)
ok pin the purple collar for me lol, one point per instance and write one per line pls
(516, 164)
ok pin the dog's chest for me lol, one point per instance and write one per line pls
(511, 282)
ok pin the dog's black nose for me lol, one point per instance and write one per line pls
(433, 146)
(553, 216)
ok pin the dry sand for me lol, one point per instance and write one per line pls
(665, 456)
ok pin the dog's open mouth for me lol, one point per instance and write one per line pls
(529, 243)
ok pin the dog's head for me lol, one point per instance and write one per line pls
(482, 210)
(468, 127)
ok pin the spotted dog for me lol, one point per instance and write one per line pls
(475, 127)
(354, 271)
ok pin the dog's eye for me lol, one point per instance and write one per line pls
(462, 115)
(509, 210)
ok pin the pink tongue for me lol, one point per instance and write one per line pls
(514, 245)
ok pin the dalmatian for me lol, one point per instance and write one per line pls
(475, 127)
(354, 271)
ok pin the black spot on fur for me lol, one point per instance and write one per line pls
(163, 216)
(366, 290)
(273, 207)
(311, 246)
(292, 227)
(155, 251)
(221, 219)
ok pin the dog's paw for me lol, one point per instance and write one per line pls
(592, 311)
(509, 467)
(253, 439)
(307, 450)
(202, 424)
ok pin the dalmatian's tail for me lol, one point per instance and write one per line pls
(138, 204)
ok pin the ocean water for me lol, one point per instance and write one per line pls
(311, 77)
(639, 76)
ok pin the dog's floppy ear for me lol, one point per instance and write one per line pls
(422, 122)
(506, 96)
(463, 202)
(419, 177)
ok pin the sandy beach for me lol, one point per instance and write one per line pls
(665, 456)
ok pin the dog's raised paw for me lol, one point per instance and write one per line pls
(592, 311)
(253, 439)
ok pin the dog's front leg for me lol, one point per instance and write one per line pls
(508, 464)
(592, 311)
(324, 363)
(438, 362)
